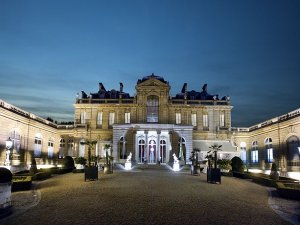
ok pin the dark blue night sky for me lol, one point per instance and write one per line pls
(248, 50)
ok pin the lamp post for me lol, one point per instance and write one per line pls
(9, 145)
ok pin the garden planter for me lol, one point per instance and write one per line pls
(213, 175)
(91, 173)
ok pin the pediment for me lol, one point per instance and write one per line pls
(152, 83)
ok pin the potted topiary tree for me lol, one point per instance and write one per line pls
(213, 173)
(195, 167)
(90, 171)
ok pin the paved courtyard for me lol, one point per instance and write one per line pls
(146, 195)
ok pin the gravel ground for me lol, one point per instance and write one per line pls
(147, 195)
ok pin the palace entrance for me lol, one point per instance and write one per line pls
(152, 143)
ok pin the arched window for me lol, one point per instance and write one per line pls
(254, 152)
(38, 145)
(141, 150)
(269, 150)
(81, 148)
(70, 147)
(152, 109)
(61, 148)
(152, 151)
(293, 150)
(163, 150)
(16, 139)
(122, 147)
(50, 148)
(243, 151)
(182, 149)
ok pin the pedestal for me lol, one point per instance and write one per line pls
(128, 166)
(176, 166)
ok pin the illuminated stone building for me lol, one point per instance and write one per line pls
(152, 125)
(274, 141)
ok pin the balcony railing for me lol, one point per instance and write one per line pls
(104, 101)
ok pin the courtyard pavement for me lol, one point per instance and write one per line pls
(150, 195)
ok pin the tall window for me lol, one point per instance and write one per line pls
(81, 148)
(222, 119)
(99, 118)
(70, 147)
(254, 152)
(163, 150)
(61, 148)
(127, 117)
(16, 139)
(142, 150)
(111, 118)
(122, 146)
(38, 145)
(152, 109)
(194, 119)
(269, 150)
(293, 150)
(205, 120)
(178, 118)
(50, 148)
(243, 151)
(83, 118)
(182, 148)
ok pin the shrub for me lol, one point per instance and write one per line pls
(21, 183)
(237, 164)
(33, 168)
(68, 162)
(42, 175)
(224, 164)
(5, 175)
(80, 160)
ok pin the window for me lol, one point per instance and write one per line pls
(81, 148)
(127, 117)
(243, 151)
(61, 148)
(163, 150)
(178, 118)
(141, 150)
(111, 118)
(194, 119)
(269, 150)
(16, 139)
(254, 152)
(205, 120)
(122, 146)
(99, 118)
(70, 147)
(152, 109)
(293, 150)
(222, 119)
(181, 148)
(50, 148)
(83, 118)
(38, 145)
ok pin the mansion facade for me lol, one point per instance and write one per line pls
(152, 125)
